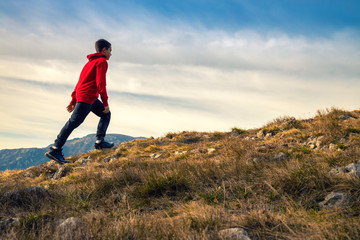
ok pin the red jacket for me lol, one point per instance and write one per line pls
(92, 81)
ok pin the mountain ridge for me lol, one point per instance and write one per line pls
(22, 158)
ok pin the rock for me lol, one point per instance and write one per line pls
(337, 171)
(346, 116)
(82, 161)
(234, 133)
(287, 123)
(28, 196)
(252, 160)
(211, 150)
(179, 153)
(7, 223)
(279, 157)
(353, 169)
(312, 146)
(155, 155)
(353, 134)
(334, 200)
(28, 173)
(205, 137)
(234, 234)
(61, 172)
(71, 228)
(332, 147)
(260, 134)
(268, 135)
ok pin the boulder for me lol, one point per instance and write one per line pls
(33, 196)
(335, 200)
(233, 234)
(70, 228)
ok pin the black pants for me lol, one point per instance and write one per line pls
(78, 116)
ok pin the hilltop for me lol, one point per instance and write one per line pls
(290, 179)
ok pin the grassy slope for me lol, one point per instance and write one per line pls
(191, 191)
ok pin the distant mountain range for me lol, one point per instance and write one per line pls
(23, 158)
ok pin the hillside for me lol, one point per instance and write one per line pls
(291, 179)
(26, 157)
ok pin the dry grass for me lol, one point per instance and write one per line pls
(192, 191)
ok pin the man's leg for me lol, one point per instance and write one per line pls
(78, 116)
(98, 108)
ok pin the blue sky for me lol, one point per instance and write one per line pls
(176, 65)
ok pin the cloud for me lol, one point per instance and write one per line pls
(167, 77)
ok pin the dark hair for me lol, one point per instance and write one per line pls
(101, 44)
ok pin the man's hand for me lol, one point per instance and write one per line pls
(107, 109)
(70, 108)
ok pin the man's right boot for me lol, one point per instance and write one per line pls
(56, 155)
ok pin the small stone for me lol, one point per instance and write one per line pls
(252, 160)
(179, 153)
(234, 234)
(332, 146)
(155, 155)
(260, 134)
(61, 172)
(234, 133)
(337, 171)
(334, 200)
(82, 161)
(312, 146)
(345, 117)
(268, 135)
(211, 150)
(279, 157)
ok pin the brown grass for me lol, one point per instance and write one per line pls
(192, 193)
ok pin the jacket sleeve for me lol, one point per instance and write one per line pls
(101, 69)
(73, 97)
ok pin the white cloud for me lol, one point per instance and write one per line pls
(171, 78)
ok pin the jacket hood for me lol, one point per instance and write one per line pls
(95, 56)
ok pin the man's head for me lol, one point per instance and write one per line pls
(104, 47)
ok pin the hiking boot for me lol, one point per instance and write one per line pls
(56, 155)
(103, 144)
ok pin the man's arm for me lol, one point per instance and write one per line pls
(101, 69)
